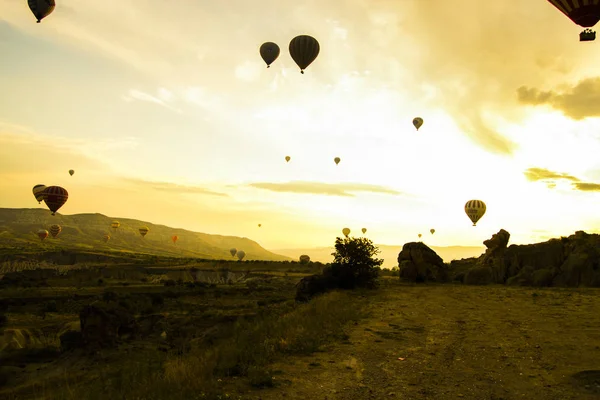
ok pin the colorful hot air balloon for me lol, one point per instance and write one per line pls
(55, 230)
(304, 50)
(55, 197)
(143, 230)
(42, 234)
(336, 160)
(346, 231)
(475, 209)
(174, 238)
(364, 230)
(41, 8)
(269, 52)
(420, 235)
(106, 238)
(432, 231)
(241, 254)
(115, 225)
(418, 122)
(584, 13)
(38, 192)
(287, 158)
(232, 251)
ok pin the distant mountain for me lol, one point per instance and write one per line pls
(84, 232)
(388, 253)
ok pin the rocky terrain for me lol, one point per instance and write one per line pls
(566, 262)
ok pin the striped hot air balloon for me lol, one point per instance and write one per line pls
(304, 50)
(55, 197)
(475, 210)
(55, 230)
(585, 13)
(38, 192)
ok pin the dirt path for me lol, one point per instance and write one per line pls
(457, 342)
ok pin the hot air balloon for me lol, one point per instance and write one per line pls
(269, 52)
(304, 259)
(259, 225)
(287, 158)
(346, 231)
(364, 230)
(336, 160)
(418, 122)
(475, 209)
(106, 238)
(71, 172)
(55, 230)
(55, 197)
(432, 231)
(174, 238)
(143, 230)
(41, 8)
(584, 13)
(420, 235)
(38, 192)
(304, 50)
(241, 254)
(115, 225)
(42, 234)
(232, 251)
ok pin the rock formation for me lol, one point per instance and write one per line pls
(569, 261)
(418, 263)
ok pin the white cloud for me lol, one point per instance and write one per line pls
(135, 94)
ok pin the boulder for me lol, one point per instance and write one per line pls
(418, 263)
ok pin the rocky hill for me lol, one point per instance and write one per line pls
(84, 233)
(569, 262)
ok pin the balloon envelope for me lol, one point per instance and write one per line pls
(71, 172)
(233, 251)
(55, 230)
(42, 234)
(418, 122)
(269, 52)
(287, 158)
(55, 197)
(346, 231)
(364, 230)
(337, 160)
(304, 50)
(41, 8)
(38, 192)
(584, 13)
(475, 209)
(241, 254)
(143, 230)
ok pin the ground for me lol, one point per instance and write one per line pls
(448, 342)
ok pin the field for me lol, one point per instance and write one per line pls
(232, 330)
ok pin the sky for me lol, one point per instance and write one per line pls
(167, 114)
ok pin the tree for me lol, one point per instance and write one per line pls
(354, 263)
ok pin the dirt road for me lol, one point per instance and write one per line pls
(457, 342)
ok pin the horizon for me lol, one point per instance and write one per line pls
(181, 124)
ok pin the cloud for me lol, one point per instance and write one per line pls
(164, 96)
(542, 174)
(248, 71)
(550, 178)
(174, 188)
(587, 186)
(577, 102)
(328, 189)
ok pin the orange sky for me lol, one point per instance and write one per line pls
(168, 114)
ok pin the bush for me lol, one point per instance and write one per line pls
(354, 263)
(3, 320)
